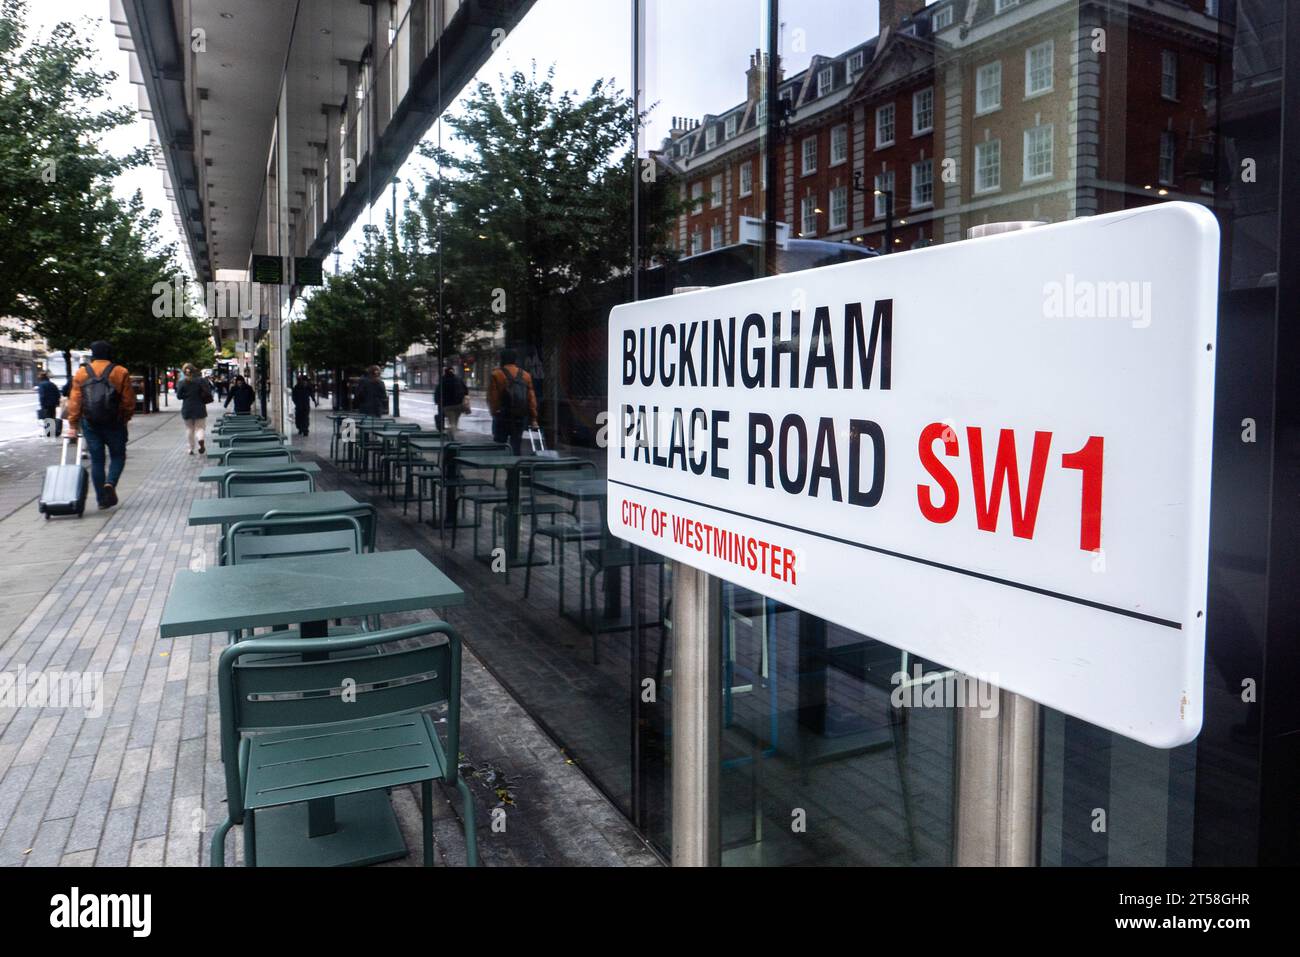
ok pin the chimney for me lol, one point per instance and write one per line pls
(894, 12)
(756, 75)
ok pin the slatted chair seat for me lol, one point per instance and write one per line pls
(280, 482)
(246, 454)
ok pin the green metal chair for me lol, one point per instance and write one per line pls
(289, 734)
(476, 490)
(235, 456)
(280, 482)
(566, 523)
(365, 513)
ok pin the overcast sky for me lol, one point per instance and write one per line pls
(697, 54)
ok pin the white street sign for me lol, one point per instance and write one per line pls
(994, 454)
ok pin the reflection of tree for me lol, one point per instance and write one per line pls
(536, 215)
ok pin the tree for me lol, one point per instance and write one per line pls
(53, 174)
(534, 217)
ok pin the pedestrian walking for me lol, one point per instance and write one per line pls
(371, 395)
(101, 401)
(242, 395)
(47, 402)
(195, 394)
(452, 397)
(511, 401)
(303, 397)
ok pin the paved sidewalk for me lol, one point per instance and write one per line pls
(141, 782)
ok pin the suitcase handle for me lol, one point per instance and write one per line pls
(63, 454)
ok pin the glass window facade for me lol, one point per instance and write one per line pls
(580, 628)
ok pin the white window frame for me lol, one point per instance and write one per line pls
(839, 144)
(942, 18)
(760, 111)
(808, 214)
(825, 80)
(1049, 130)
(881, 113)
(715, 191)
(984, 84)
(697, 243)
(730, 129)
(916, 111)
(1050, 47)
(1210, 83)
(1003, 5)
(710, 136)
(807, 156)
(883, 181)
(1169, 75)
(697, 197)
(746, 173)
(1167, 156)
(922, 175)
(839, 208)
(997, 167)
(854, 66)
(715, 236)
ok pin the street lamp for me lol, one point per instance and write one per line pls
(889, 207)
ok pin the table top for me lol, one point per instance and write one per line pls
(226, 511)
(259, 594)
(215, 473)
(495, 460)
(420, 440)
(582, 488)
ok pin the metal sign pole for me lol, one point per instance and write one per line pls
(996, 813)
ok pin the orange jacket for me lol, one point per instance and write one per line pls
(496, 393)
(119, 378)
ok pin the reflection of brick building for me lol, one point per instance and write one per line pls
(969, 111)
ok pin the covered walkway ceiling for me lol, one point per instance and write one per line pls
(213, 99)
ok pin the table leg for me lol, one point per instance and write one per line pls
(512, 515)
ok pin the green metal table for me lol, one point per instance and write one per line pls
(227, 511)
(512, 465)
(272, 444)
(217, 473)
(354, 830)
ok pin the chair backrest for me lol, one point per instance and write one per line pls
(364, 513)
(557, 468)
(237, 484)
(289, 692)
(235, 456)
(292, 536)
(256, 438)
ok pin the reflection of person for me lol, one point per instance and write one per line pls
(101, 401)
(511, 401)
(538, 371)
(47, 402)
(242, 396)
(371, 394)
(195, 394)
(451, 400)
(303, 394)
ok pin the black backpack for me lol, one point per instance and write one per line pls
(516, 395)
(100, 402)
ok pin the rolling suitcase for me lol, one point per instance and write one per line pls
(64, 492)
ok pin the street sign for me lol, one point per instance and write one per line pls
(994, 454)
(268, 269)
(307, 271)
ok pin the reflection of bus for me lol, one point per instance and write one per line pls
(582, 387)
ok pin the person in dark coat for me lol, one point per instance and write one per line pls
(47, 402)
(303, 396)
(195, 393)
(242, 395)
(450, 395)
(371, 396)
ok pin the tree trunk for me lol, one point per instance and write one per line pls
(67, 365)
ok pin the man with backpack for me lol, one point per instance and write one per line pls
(100, 403)
(511, 401)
